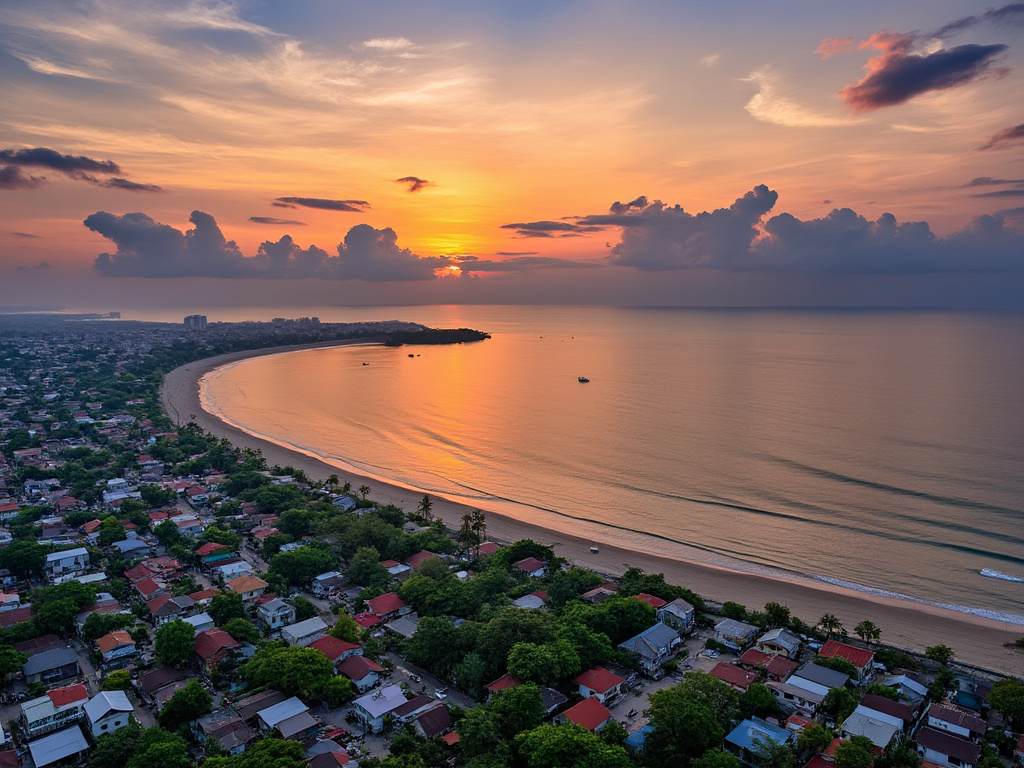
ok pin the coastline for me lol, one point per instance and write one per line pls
(976, 640)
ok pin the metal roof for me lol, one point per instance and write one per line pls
(57, 746)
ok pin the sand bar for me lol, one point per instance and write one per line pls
(976, 640)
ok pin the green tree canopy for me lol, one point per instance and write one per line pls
(185, 705)
(814, 738)
(569, 746)
(857, 752)
(685, 724)
(942, 654)
(99, 624)
(295, 671)
(299, 566)
(517, 709)
(345, 628)
(11, 661)
(265, 753)
(226, 606)
(303, 608)
(114, 750)
(119, 680)
(1008, 697)
(157, 747)
(364, 568)
(243, 631)
(175, 642)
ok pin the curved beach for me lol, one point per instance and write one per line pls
(976, 640)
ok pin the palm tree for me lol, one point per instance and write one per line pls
(425, 507)
(867, 631)
(466, 534)
(364, 491)
(479, 525)
(332, 480)
(831, 625)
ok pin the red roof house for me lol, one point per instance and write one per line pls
(589, 713)
(213, 645)
(861, 658)
(385, 605)
(599, 683)
(733, 676)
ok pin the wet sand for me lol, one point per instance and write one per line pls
(976, 640)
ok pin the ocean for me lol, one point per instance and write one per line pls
(878, 450)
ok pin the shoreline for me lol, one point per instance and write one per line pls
(910, 625)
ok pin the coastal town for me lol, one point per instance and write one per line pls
(170, 598)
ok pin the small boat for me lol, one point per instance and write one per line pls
(582, 379)
(365, 363)
(1003, 576)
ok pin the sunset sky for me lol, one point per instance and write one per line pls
(670, 152)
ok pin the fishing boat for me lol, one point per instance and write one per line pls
(582, 379)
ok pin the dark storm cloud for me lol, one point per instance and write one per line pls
(272, 220)
(1002, 193)
(414, 183)
(129, 186)
(1007, 14)
(741, 239)
(146, 248)
(1004, 137)
(988, 181)
(550, 228)
(325, 204)
(71, 165)
(897, 75)
(12, 177)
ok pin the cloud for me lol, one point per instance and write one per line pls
(551, 228)
(130, 186)
(415, 184)
(834, 45)
(769, 106)
(1004, 137)
(12, 177)
(279, 222)
(988, 181)
(710, 60)
(1002, 193)
(43, 266)
(26, 235)
(146, 248)
(70, 165)
(350, 206)
(516, 253)
(388, 43)
(1007, 14)
(472, 264)
(897, 75)
(738, 238)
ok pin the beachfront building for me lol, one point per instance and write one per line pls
(653, 647)
(678, 614)
(878, 727)
(817, 679)
(780, 642)
(946, 749)
(791, 697)
(735, 634)
(861, 658)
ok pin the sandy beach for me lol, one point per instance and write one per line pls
(977, 641)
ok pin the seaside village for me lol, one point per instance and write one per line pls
(170, 600)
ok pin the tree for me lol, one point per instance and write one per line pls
(717, 758)
(303, 608)
(425, 508)
(337, 691)
(471, 671)
(226, 606)
(11, 661)
(175, 642)
(838, 664)
(569, 746)
(776, 615)
(155, 496)
(867, 631)
(345, 628)
(685, 726)
(1008, 697)
(814, 738)
(265, 753)
(292, 670)
(186, 705)
(168, 535)
(900, 753)
(857, 752)
(758, 701)
(119, 680)
(478, 733)
(299, 566)
(941, 654)
(734, 611)
(831, 625)
(838, 703)
(111, 530)
(99, 624)
(466, 537)
(243, 630)
(769, 753)
(57, 616)
(23, 558)
(156, 746)
(364, 491)
(364, 568)
(479, 525)
(885, 691)
(545, 663)
(517, 709)
(114, 750)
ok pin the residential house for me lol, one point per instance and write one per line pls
(213, 646)
(735, 634)
(304, 632)
(817, 679)
(601, 684)
(62, 745)
(249, 587)
(598, 594)
(503, 683)
(57, 709)
(678, 614)
(531, 602)
(905, 714)
(249, 708)
(793, 697)
(67, 561)
(107, 711)
(413, 707)
(744, 739)
(777, 667)
(415, 561)
(232, 570)
(589, 713)
(364, 673)
(158, 685)
(52, 668)
(405, 626)
(387, 606)
(276, 613)
(336, 650)
(946, 749)
(652, 600)
(653, 647)
(116, 648)
(879, 727)
(955, 720)
(226, 728)
(290, 717)
(531, 566)
(780, 642)
(910, 686)
(372, 708)
(433, 722)
(396, 570)
(327, 583)
(736, 678)
(200, 622)
(167, 608)
(861, 658)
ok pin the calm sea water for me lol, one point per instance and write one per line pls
(882, 450)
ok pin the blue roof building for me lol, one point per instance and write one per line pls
(745, 737)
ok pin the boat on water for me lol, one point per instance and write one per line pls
(999, 575)
(582, 379)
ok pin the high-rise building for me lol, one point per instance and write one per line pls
(195, 322)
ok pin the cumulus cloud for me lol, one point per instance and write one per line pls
(350, 206)
(1005, 137)
(656, 236)
(279, 222)
(833, 46)
(898, 74)
(415, 183)
(146, 248)
(77, 167)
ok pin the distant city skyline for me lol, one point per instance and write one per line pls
(206, 152)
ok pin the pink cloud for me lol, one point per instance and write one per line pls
(834, 45)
